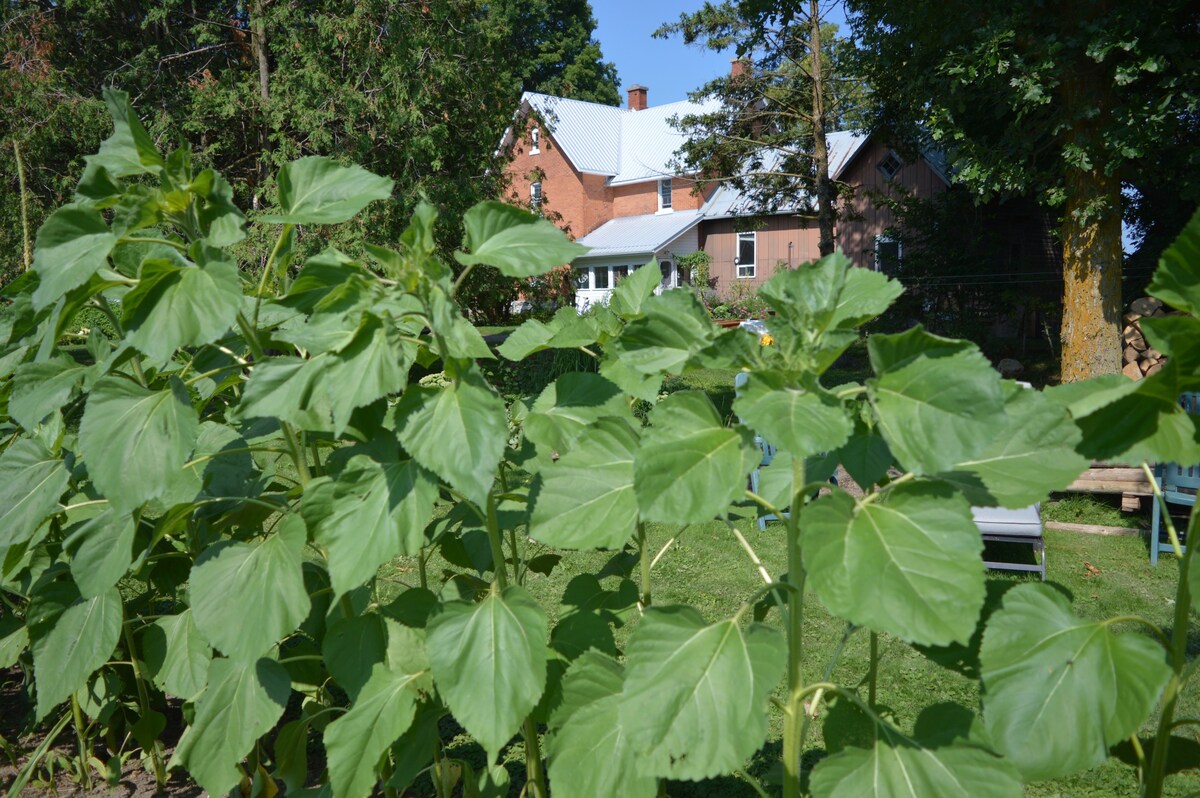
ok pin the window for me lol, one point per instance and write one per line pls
(664, 194)
(534, 136)
(619, 273)
(599, 277)
(890, 166)
(888, 255)
(745, 254)
(535, 194)
(581, 279)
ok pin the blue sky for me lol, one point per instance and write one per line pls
(668, 67)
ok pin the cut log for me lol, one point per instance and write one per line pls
(1145, 305)
(1132, 371)
(1130, 354)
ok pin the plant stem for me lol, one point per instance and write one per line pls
(646, 597)
(284, 234)
(160, 776)
(296, 451)
(85, 770)
(27, 247)
(493, 532)
(873, 669)
(424, 577)
(1179, 636)
(534, 774)
(793, 721)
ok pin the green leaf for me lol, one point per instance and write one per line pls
(355, 742)
(689, 467)
(586, 499)
(129, 150)
(243, 701)
(1032, 453)
(802, 421)
(290, 389)
(371, 512)
(631, 294)
(687, 683)
(260, 584)
(352, 646)
(101, 550)
(489, 662)
(318, 190)
(457, 432)
(567, 330)
(1177, 279)
(71, 649)
(72, 244)
(866, 456)
(374, 364)
(179, 304)
(917, 547)
(1094, 687)
(177, 656)
(38, 389)
(220, 219)
(515, 241)
(674, 327)
(31, 482)
(14, 639)
(587, 729)
(291, 754)
(569, 406)
(938, 401)
(134, 440)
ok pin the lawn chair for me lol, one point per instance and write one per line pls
(1177, 483)
(767, 449)
(1024, 526)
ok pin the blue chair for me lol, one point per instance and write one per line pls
(767, 449)
(1178, 485)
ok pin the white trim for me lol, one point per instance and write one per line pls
(668, 206)
(534, 135)
(737, 252)
(535, 194)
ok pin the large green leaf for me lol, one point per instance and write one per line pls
(567, 330)
(72, 244)
(674, 327)
(866, 456)
(176, 304)
(939, 760)
(569, 406)
(689, 467)
(586, 499)
(220, 219)
(1177, 279)
(695, 699)
(243, 701)
(70, 650)
(352, 647)
(101, 550)
(31, 482)
(587, 729)
(632, 293)
(355, 742)
(515, 241)
(1031, 454)
(177, 656)
(915, 546)
(799, 420)
(1093, 687)
(489, 662)
(371, 512)
(939, 401)
(457, 432)
(319, 190)
(38, 389)
(260, 584)
(373, 364)
(290, 389)
(129, 150)
(135, 440)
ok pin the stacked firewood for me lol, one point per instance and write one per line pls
(1141, 359)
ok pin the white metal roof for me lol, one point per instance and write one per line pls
(629, 235)
(649, 140)
(589, 133)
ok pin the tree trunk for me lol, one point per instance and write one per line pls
(824, 187)
(258, 34)
(1091, 230)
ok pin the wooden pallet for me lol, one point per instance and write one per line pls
(1127, 480)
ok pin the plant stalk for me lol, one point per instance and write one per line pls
(873, 669)
(493, 532)
(85, 770)
(535, 775)
(26, 239)
(139, 678)
(793, 720)
(646, 597)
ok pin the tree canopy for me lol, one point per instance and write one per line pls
(1064, 102)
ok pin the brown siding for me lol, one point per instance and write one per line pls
(773, 235)
(862, 220)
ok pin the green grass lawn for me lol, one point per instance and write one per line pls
(706, 567)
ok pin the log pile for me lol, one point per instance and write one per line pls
(1141, 359)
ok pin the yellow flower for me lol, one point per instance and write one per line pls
(766, 340)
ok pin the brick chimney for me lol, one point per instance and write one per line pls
(637, 98)
(738, 67)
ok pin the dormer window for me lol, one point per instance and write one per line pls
(535, 194)
(891, 165)
(534, 136)
(664, 194)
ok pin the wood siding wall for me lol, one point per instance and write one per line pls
(787, 241)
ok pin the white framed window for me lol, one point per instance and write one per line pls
(664, 194)
(583, 279)
(889, 254)
(600, 277)
(535, 137)
(747, 251)
(535, 194)
(891, 165)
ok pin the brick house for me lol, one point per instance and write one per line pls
(604, 174)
